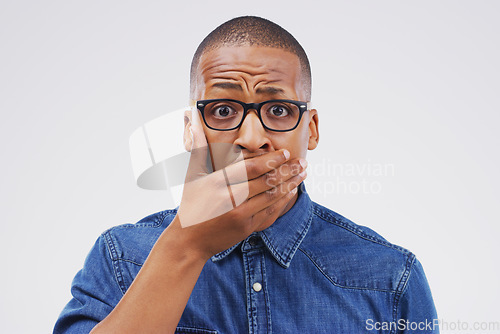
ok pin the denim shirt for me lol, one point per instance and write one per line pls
(312, 271)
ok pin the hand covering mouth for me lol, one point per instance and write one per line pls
(248, 155)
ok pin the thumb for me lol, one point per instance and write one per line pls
(199, 160)
(197, 133)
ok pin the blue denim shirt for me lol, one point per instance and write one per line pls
(312, 271)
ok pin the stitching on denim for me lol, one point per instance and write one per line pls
(332, 279)
(274, 251)
(266, 292)
(224, 253)
(116, 266)
(403, 283)
(285, 263)
(157, 222)
(247, 289)
(113, 253)
(301, 236)
(195, 330)
(130, 261)
(353, 229)
(109, 245)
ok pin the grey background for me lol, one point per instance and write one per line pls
(412, 86)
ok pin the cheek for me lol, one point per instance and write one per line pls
(219, 136)
(301, 145)
(295, 142)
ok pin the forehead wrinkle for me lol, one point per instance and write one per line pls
(220, 64)
(250, 75)
(219, 67)
(223, 70)
(259, 85)
(245, 80)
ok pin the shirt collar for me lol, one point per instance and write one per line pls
(284, 236)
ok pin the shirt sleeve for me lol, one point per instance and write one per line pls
(95, 293)
(417, 313)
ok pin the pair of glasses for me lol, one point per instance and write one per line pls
(228, 114)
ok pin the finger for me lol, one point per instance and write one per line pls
(272, 178)
(267, 216)
(199, 139)
(269, 197)
(199, 150)
(252, 168)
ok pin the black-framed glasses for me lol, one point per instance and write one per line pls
(228, 114)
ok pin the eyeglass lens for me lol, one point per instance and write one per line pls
(275, 115)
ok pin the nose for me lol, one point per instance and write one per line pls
(251, 135)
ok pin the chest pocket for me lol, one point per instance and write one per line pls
(193, 330)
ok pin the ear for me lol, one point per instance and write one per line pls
(188, 138)
(313, 129)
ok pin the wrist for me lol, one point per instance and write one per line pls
(175, 241)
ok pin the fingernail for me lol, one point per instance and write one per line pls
(303, 173)
(303, 163)
(286, 154)
(294, 190)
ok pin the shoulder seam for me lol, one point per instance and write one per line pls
(329, 218)
(107, 236)
(114, 260)
(157, 222)
(332, 280)
(403, 283)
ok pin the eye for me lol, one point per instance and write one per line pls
(278, 111)
(223, 111)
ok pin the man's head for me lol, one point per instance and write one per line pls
(252, 31)
(252, 60)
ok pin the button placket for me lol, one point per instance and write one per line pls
(257, 308)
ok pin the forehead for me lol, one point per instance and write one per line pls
(252, 67)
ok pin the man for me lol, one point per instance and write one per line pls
(271, 261)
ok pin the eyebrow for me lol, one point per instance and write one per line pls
(227, 85)
(261, 90)
(270, 90)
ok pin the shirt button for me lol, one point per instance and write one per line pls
(253, 241)
(257, 286)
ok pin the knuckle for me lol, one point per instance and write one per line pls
(270, 209)
(295, 169)
(269, 179)
(294, 181)
(286, 187)
(272, 193)
(252, 167)
(271, 161)
(284, 169)
(273, 172)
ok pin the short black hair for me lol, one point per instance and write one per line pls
(249, 31)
